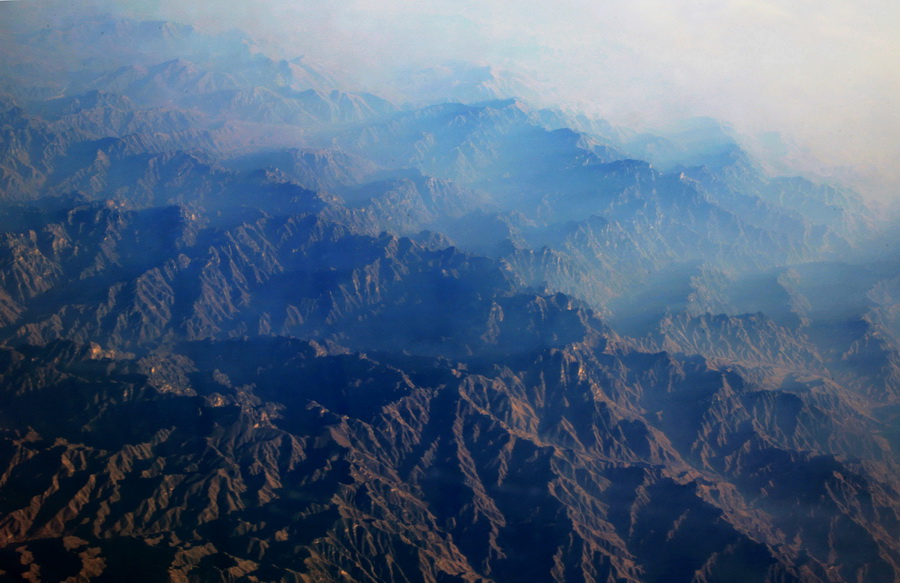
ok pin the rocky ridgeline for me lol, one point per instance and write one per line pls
(582, 462)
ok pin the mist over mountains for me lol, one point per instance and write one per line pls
(256, 325)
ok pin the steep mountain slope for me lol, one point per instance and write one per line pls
(388, 468)
(559, 177)
(515, 401)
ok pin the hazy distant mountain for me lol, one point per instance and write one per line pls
(462, 82)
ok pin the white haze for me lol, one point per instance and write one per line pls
(823, 74)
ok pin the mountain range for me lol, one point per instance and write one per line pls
(258, 325)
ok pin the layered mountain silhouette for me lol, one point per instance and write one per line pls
(256, 325)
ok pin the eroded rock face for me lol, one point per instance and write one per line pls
(584, 462)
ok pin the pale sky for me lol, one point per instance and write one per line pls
(825, 74)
